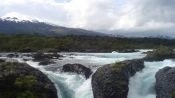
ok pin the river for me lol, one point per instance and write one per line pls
(70, 85)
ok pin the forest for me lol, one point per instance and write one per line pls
(32, 43)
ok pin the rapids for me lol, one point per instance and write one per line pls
(70, 85)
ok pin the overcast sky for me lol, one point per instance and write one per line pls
(109, 15)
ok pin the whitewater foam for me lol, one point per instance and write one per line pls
(142, 84)
(71, 85)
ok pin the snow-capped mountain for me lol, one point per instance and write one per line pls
(13, 25)
(15, 19)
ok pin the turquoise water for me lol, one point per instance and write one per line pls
(70, 85)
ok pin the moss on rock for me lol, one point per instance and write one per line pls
(19, 80)
(27, 81)
(173, 94)
(111, 81)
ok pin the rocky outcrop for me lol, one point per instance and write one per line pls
(50, 50)
(46, 62)
(77, 68)
(13, 55)
(111, 81)
(39, 56)
(165, 83)
(160, 54)
(127, 50)
(26, 50)
(44, 58)
(18, 80)
(1, 60)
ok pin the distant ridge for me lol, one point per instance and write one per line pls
(13, 25)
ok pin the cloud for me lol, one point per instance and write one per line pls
(92, 14)
(148, 14)
(43, 10)
(110, 15)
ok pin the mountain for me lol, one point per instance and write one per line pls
(164, 34)
(14, 25)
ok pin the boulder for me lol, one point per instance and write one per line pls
(26, 50)
(50, 50)
(111, 81)
(1, 60)
(46, 62)
(165, 83)
(12, 55)
(45, 59)
(127, 50)
(77, 68)
(160, 54)
(18, 80)
(40, 56)
(27, 55)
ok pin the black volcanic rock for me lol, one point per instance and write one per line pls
(12, 55)
(1, 60)
(44, 58)
(77, 68)
(18, 80)
(46, 62)
(165, 83)
(127, 50)
(111, 81)
(40, 56)
(50, 50)
(26, 50)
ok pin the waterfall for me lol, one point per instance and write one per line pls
(71, 85)
(142, 84)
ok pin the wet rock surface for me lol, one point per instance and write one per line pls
(44, 58)
(12, 55)
(111, 81)
(19, 80)
(127, 50)
(77, 68)
(165, 83)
